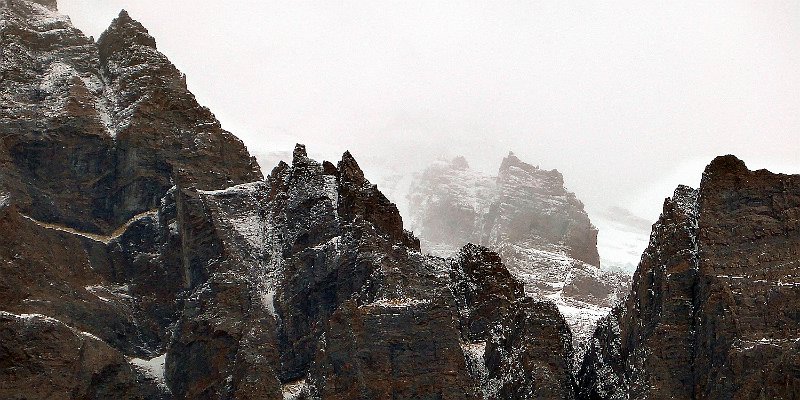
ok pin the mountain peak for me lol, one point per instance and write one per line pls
(512, 156)
(350, 170)
(125, 31)
(299, 153)
(724, 165)
(512, 160)
(723, 169)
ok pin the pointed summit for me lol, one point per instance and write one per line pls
(299, 154)
(349, 169)
(124, 32)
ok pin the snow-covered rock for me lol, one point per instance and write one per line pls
(540, 230)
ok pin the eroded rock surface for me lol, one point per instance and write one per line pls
(540, 230)
(143, 255)
(95, 133)
(713, 309)
(344, 303)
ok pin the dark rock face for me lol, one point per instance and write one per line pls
(96, 133)
(540, 230)
(264, 290)
(143, 256)
(529, 354)
(712, 313)
(344, 306)
(101, 303)
(484, 288)
(516, 347)
(59, 359)
(91, 245)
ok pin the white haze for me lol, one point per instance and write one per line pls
(626, 99)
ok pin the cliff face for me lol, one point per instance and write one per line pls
(712, 313)
(307, 285)
(452, 205)
(95, 133)
(271, 289)
(91, 144)
(143, 255)
(540, 230)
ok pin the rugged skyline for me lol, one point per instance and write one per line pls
(626, 100)
(147, 256)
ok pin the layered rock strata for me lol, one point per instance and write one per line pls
(94, 133)
(144, 256)
(713, 309)
(540, 230)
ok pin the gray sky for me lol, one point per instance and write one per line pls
(627, 99)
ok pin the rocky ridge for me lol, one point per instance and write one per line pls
(713, 309)
(540, 230)
(145, 256)
(95, 132)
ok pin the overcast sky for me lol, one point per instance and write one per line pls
(627, 99)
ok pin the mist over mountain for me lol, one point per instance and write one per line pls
(627, 100)
(147, 253)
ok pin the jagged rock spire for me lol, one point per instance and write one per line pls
(124, 32)
(349, 169)
(299, 154)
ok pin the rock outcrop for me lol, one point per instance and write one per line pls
(452, 205)
(143, 255)
(540, 230)
(331, 301)
(95, 133)
(712, 312)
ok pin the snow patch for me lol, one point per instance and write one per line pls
(45, 19)
(152, 368)
(98, 238)
(249, 226)
(117, 291)
(474, 355)
(295, 390)
(32, 318)
(332, 190)
(402, 302)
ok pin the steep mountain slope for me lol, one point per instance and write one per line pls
(713, 309)
(539, 228)
(94, 133)
(143, 255)
(343, 298)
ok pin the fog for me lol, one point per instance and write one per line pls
(627, 99)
